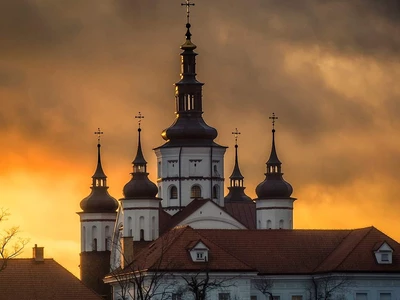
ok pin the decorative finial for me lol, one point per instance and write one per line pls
(188, 5)
(99, 133)
(236, 135)
(140, 117)
(273, 118)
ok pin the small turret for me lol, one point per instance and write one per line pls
(99, 199)
(236, 188)
(274, 202)
(140, 185)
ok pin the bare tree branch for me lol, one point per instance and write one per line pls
(10, 244)
(329, 287)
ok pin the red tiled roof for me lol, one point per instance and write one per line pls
(244, 212)
(307, 251)
(25, 279)
(272, 251)
(171, 252)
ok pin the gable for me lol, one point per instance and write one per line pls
(211, 216)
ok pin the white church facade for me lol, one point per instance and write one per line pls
(181, 238)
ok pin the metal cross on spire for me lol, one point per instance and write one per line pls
(99, 133)
(236, 135)
(273, 118)
(140, 117)
(188, 5)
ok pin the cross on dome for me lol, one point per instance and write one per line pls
(188, 5)
(273, 118)
(140, 117)
(99, 133)
(236, 135)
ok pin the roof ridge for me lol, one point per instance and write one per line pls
(76, 278)
(356, 245)
(226, 251)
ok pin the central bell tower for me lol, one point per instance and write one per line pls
(190, 164)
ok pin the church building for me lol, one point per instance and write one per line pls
(181, 238)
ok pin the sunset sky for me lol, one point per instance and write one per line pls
(330, 70)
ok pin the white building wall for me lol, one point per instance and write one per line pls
(275, 213)
(241, 286)
(210, 216)
(103, 223)
(188, 166)
(140, 214)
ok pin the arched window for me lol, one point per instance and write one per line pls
(281, 224)
(108, 238)
(269, 224)
(141, 226)
(215, 192)
(195, 192)
(173, 192)
(84, 238)
(153, 228)
(129, 232)
(94, 238)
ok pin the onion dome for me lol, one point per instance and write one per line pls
(189, 128)
(274, 186)
(99, 200)
(236, 188)
(140, 186)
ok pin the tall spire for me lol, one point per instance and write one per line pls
(99, 199)
(274, 186)
(189, 128)
(236, 188)
(139, 163)
(140, 185)
(273, 158)
(236, 179)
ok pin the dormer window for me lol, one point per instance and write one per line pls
(384, 254)
(199, 253)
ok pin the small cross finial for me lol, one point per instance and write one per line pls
(236, 135)
(188, 5)
(140, 117)
(273, 118)
(99, 133)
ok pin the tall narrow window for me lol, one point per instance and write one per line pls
(269, 224)
(84, 238)
(153, 228)
(195, 192)
(129, 231)
(215, 192)
(281, 224)
(141, 226)
(173, 192)
(108, 238)
(94, 244)
(94, 238)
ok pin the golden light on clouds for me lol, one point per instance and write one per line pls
(330, 72)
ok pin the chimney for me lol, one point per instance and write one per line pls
(38, 253)
(126, 251)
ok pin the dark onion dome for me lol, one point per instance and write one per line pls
(274, 186)
(236, 188)
(99, 200)
(189, 128)
(140, 186)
